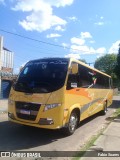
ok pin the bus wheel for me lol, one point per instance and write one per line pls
(72, 125)
(104, 111)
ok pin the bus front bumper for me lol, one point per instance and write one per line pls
(43, 122)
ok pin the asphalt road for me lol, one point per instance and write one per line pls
(18, 137)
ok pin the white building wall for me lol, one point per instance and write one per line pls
(6, 56)
(7, 59)
(6, 62)
(1, 49)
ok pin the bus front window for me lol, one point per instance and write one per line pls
(42, 76)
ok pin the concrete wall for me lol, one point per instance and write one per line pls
(3, 106)
(3, 102)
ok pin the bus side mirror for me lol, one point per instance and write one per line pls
(74, 68)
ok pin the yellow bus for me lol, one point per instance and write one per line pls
(58, 93)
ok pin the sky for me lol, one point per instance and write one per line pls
(83, 29)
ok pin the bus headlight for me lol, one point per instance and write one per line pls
(50, 106)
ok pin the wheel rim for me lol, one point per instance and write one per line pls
(72, 122)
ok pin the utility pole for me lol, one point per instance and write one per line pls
(90, 63)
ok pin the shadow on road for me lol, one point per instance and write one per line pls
(115, 104)
(16, 137)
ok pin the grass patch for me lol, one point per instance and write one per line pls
(88, 144)
(92, 140)
(116, 113)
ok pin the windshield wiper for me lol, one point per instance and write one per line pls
(23, 87)
(42, 87)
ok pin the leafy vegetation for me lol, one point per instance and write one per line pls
(116, 113)
(117, 68)
(107, 64)
(92, 140)
(88, 144)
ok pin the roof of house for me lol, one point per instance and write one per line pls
(6, 49)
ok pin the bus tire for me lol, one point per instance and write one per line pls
(104, 111)
(72, 124)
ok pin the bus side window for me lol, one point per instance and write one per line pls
(102, 81)
(84, 76)
(73, 81)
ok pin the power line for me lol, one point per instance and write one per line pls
(40, 41)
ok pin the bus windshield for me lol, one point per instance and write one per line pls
(42, 76)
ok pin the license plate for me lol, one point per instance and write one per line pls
(25, 112)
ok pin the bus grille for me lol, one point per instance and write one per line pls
(27, 111)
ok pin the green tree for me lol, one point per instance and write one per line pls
(117, 68)
(107, 64)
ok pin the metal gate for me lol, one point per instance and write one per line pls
(5, 88)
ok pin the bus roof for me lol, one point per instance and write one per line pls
(74, 60)
(94, 69)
